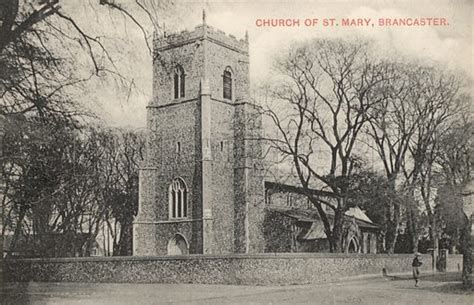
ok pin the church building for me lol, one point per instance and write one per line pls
(202, 189)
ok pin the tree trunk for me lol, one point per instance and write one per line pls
(434, 238)
(336, 236)
(10, 10)
(466, 248)
(125, 243)
(413, 229)
(327, 226)
(392, 230)
(393, 218)
(17, 231)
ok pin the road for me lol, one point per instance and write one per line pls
(434, 289)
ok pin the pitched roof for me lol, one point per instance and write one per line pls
(316, 230)
(357, 213)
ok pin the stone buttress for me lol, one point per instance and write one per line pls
(201, 150)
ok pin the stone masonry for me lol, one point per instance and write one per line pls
(205, 140)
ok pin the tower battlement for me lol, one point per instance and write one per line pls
(200, 32)
(200, 192)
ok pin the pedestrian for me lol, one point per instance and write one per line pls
(416, 271)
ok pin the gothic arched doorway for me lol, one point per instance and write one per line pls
(178, 245)
(353, 247)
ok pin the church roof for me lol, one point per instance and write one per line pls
(294, 188)
(316, 230)
(357, 213)
(311, 215)
(308, 215)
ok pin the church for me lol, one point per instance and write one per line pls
(202, 188)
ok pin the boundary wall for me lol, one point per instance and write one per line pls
(240, 269)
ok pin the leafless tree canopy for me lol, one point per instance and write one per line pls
(64, 186)
(333, 97)
(61, 179)
(46, 54)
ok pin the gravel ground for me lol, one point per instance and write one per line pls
(434, 289)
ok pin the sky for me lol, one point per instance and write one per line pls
(122, 105)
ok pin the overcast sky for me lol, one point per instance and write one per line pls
(449, 45)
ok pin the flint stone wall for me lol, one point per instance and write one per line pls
(454, 262)
(259, 269)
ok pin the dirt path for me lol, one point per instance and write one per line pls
(434, 289)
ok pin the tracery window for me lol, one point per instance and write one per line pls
(178, 193)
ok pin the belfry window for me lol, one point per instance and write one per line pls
(178, 193)
(227, 83)
(179, 82)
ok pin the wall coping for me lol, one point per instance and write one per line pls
(210, 257)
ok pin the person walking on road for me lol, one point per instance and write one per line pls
(416, 271)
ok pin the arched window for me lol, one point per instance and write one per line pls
(178, 207)
(179, 85)
(227, 83)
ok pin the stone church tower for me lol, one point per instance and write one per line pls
(201, 185)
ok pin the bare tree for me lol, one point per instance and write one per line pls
(453, 158)
(62, 185)
(391, 127)
(44, 197)
(123, 152)
(452, 172)
(441, 104)
(326, 91)
(47, 57)
(41, 46)
(420, 102)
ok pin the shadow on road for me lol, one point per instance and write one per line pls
(452, 280)
(435, 288)
(15, 294)
(430, 277)
(449, 288)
